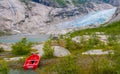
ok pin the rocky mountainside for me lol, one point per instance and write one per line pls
(116, 16)
(41, 16)
(65, 3)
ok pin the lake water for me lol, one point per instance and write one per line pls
(16, 38)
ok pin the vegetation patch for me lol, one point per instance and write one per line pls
(22, 47)
(67, 65)
(3, 67)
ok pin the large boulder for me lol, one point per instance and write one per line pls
(58, 51)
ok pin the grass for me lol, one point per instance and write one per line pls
(67, 65)
(108, 64)
(3, 67)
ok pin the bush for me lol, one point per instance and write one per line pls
(3, 68)
(48, 50)
(22, 48)
(67, 66)
(1, 49)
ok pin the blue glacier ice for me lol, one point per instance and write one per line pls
(93, 18)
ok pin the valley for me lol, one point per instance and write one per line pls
(70, 36)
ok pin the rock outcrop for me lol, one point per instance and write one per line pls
(65, 3)
(11, 12)
(116, 16)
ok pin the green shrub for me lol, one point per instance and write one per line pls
(22, 47)
(1, 49)
(48, 50)
(3, 67)
(67, 65)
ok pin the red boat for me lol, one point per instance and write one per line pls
(32, 62)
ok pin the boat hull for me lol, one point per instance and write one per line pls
(32, 62)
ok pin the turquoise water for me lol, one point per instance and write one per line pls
(93, 18)
(16, 38)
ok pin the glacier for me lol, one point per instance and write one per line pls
(93, 18)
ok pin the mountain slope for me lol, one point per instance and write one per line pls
(35, 18)
(65, 3)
